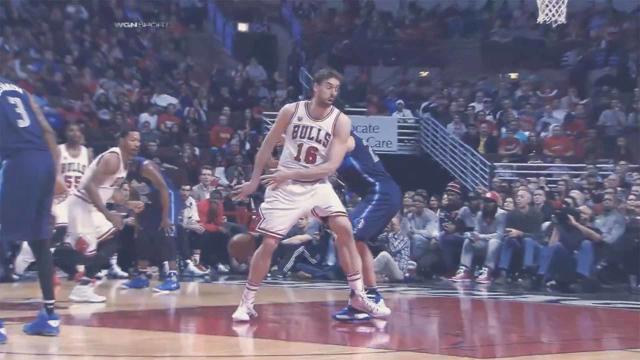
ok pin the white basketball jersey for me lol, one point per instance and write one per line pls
(72, 168)
(307, 140)
(109, 185)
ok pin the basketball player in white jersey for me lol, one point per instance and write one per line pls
(92, 227)
(316, 135)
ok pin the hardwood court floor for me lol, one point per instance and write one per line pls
(295, 323)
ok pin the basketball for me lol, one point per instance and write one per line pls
(241, 247)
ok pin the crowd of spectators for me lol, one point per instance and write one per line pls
(204, 133)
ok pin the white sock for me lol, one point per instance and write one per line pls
(355, 282)
(249, 294)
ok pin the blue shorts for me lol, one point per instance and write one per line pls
(374, 212)
(26, 192)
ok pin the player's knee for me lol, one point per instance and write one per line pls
(341, 226)
(270, 244)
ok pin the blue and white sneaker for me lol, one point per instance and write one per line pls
(170, 284)
(139, 282)
(44, 324)
(3, 333)
(351, 314)
(377, 298)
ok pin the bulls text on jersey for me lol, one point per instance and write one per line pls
(312, 133)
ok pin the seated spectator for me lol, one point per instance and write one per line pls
(220, 133)
(456, 126)
(572, 233)
(452, 226)
(255, 72)
(393, 263)
(612, 122)
(189, 231)
(299, 246)
(540, 204)
(522, 230)
(168, 120)
(402, 113)
(485, 239)
(557, 145)
(622, 151)
(509, 147)
(575, 122)
(215, 236)
(485, 143)
(421, 227)
(208, 183)
(547, 121)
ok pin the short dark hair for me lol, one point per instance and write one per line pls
(206, 167)
(326, 74)
(124, 132)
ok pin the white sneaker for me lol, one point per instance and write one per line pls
(361, 302)
(193, 270)
(115, 272)
(223, 269)
(244, 312)
(85, 294)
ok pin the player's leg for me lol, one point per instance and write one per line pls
(281, 208)
(143, 244)
(168, 253)
(258, 269)
(47, 322)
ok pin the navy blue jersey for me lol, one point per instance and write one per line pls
(362, 171)
(19, 127)
(150, 195)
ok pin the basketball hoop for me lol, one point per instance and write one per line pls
(552, 12)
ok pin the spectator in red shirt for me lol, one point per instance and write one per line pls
(221, 133)
(558, 145)
(168, 120)
(215, 237)
(575, 123)
(509, 146)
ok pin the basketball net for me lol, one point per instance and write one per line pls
(552, 12)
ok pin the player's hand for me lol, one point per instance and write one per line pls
(275, 179)
(166, 224)
(136, 206)
(116, 219)
(242, 191)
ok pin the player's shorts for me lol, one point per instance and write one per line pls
(60, 211)
(87, 226)
(26, 193)
(283, 206)
(374, 212)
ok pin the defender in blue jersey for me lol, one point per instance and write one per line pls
(381, 198)
(155, 222)
(29, 155)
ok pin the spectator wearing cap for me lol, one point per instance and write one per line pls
(523, 229)
(451, 225)
(402, 113)
(485, 239)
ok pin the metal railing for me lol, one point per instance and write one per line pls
(552, 172)
(469, 167)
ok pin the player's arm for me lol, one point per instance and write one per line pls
(263, 157)
(150, 172)
(337, 151)
(47, 132)
(107, 166)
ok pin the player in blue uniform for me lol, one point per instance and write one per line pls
(381, 199)
(30, 155)
(156, 223)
